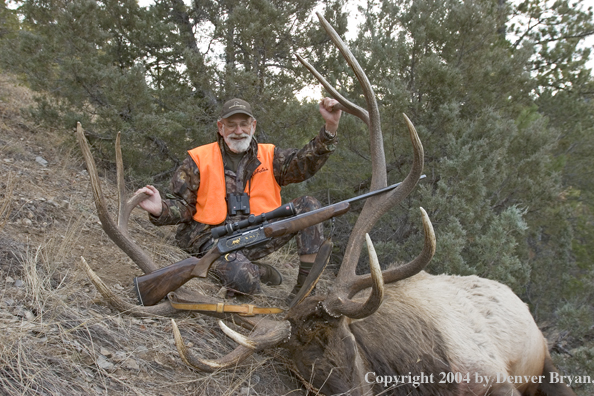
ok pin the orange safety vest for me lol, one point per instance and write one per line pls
(211, 206)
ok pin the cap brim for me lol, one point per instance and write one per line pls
(236, 112)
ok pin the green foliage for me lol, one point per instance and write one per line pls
(9, 22)
(579, 363)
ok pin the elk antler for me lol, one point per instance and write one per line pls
(347, 282)
(162, 309)
(266, 334)
(116, 232)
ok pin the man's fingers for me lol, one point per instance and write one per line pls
(149, 190)
(329, 104)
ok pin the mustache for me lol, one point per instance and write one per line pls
(239, 135)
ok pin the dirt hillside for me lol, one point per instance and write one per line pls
(57, 335)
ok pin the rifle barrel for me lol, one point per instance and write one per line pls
(376, 192)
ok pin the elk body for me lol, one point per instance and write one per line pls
(428, 327)
(384, 331)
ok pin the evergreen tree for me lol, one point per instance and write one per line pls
(556, 30)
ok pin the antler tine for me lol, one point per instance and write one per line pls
(357, 310)
(403, 271)
(347, 105)
(237, 356)
(163, 309)
(266, 334)
(421, 261)
(379, 176)
(115, 233)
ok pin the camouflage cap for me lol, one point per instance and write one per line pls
(236, 106)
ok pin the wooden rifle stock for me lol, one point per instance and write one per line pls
(154, 286)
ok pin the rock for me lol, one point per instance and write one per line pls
(131, 364)
(222, 292)
(41, 161)
(23, 313)
(8, 301)
(120, 356)
(89, 373)
(103, 363)
(106, 352)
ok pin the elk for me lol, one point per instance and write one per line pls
(398, 331)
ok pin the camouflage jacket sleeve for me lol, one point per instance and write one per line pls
(295, 166)
(180, 205)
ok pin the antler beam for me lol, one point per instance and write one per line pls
(117, 232)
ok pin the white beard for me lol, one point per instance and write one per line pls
(239, 145)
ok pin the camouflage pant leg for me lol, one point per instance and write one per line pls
(237, 273)
(308, 240)
(236, 270)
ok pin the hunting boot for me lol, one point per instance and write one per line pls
(304, 269)
(269, 275)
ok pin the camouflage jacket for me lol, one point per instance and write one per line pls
(289, 166)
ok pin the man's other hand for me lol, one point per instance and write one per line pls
(329, 114)
(152, 203)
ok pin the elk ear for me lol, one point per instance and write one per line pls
(312, 279)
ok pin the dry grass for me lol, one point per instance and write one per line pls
(57, 340)
(6, 198)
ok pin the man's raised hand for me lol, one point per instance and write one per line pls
(329, 114)
(152, 204)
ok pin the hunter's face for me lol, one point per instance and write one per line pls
(237, 131)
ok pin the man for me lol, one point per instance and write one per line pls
(236, 169)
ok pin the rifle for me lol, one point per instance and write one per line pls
(253, 231)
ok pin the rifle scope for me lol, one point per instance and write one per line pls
(252, 220)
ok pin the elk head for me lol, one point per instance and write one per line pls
(316, 330)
